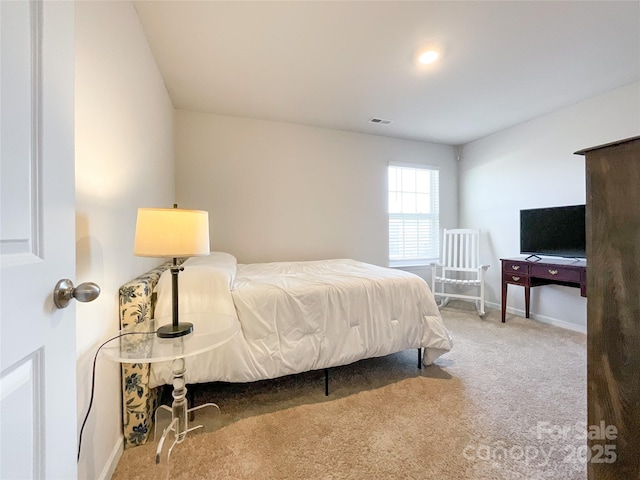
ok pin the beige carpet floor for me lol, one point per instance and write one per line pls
(508, 402)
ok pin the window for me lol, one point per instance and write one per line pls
(414, 213)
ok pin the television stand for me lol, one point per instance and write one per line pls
(543, 271)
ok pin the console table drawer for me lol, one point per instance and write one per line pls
(520, 268)
(553, 272)
(516, 278)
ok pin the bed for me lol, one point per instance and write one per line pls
(295, 317)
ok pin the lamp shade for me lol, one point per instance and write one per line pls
(171, 232)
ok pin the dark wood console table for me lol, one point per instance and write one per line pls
(533, 273)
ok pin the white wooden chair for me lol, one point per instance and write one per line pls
(460, 268)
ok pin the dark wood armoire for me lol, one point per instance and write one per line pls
(613, 309)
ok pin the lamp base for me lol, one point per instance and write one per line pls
(174, 331)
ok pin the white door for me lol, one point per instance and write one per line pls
(37, 240)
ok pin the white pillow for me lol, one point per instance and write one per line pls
(204, 286)
(223, 261)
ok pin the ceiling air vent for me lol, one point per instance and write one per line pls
(379, 121)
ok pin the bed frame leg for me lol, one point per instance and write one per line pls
(326, 382)
(420, 358)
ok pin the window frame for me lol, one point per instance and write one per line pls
(434, 218)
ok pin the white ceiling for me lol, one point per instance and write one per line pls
(336, 64)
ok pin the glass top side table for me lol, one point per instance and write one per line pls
(140, 344)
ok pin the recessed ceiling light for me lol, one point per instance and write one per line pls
(428, 57)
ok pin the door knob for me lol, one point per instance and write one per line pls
(65, 291)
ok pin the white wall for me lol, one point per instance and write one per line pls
(124, 160)
(532, 165)
(278, 191)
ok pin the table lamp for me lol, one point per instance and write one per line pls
(173, 233)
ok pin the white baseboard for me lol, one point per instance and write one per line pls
(542, 318)
(112, 461)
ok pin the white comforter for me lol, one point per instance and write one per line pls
(301, 316)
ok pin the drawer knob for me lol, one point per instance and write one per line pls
(515, 267)
(553, 272)
(515, 279)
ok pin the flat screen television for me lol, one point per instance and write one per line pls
(554, 231)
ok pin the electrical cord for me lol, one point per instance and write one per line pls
(93, 381)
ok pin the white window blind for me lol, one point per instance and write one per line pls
(414, 213)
